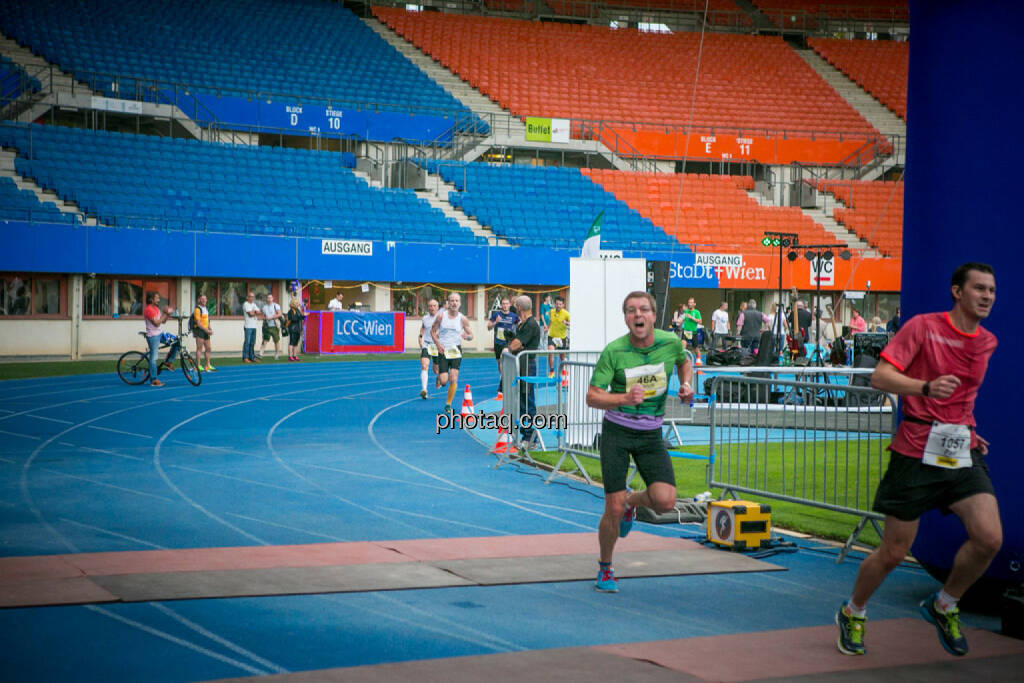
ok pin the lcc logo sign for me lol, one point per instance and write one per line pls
(827, 273)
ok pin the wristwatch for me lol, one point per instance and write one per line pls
(926, 389)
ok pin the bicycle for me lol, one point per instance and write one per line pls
(133, 366)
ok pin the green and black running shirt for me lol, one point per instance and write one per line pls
(622, 365)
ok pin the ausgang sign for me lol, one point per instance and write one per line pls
(346, 247)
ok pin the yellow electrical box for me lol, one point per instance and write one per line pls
(739, 523)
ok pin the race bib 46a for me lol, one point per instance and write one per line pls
(651, 377)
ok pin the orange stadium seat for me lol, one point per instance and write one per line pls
(704, 209)
(880, 67)
(603, 74)
(872, 209)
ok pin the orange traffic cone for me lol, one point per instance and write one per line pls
(565, 377)
(499, 398)
(504, 443)
(467, 403)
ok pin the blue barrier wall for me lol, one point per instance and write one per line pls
(240, 113)
(87, 249)
(961, 190)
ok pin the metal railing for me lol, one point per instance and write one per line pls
(817, 443)
(814, 436)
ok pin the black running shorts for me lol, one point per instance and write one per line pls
(646, 446)
(446, 364)
(910, 488)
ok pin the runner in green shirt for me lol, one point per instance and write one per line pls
(691, 321)
(630, 383)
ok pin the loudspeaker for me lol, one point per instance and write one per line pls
(657, 286)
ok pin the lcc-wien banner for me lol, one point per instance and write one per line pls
(356, 332)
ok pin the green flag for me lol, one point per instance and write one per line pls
(592, 244)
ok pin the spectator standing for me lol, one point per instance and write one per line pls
(155, 318)
(527, 338)
(739, 319)
(251, 322)
(893, 326)
(750, 323)
(202, 330)
(503, 322)
(677, 320)
(335, 303)
(857, 323)
(294, 319)
(545, 319)
(720, 325)
(272, 316)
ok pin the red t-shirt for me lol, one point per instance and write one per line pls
(927, 346)
(152, 315)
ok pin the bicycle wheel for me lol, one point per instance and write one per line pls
(191, 370)
(133, 367)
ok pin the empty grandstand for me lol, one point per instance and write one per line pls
(880, 67)
(873, 210)
(150, 182)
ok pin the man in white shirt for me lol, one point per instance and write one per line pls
(271, 326)
(335, 303)
(251, 315)
(720, 325)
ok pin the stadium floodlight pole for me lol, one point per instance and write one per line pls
(781, 241)
(819, 253)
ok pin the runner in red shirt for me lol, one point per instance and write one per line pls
(936, 362)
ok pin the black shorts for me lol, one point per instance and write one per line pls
(498, 348)
(910, 488)
(562, 345)
(426, 354)
(293, 337)
(446, 364)
(648, 451)
(199, 334)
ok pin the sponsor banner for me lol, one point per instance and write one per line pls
(347, 247)
(355, 332)
(116, 105)
(761, 271)
(540, 129)
(822, 149)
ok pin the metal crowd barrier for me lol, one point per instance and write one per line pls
(819, 443)
(808, 435)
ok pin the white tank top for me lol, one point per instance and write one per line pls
(428, 324)
(450, 332)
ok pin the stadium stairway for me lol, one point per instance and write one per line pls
(68, 208)
(506, 128)
(823, 217)
(877, 114)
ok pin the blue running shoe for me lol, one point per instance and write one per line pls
(606, 580)
(947, 624)
(627, 521)
(851, 632)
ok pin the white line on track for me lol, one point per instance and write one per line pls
(101, 450)
(103, 483)
(377, 476)
(292, 528)
(108, 532)
(237, 649)
(559, 507)
(474, 637)
(119, 431)
(23, 436)
(270, 445)
(449, 623)
(222, 449)
(254, 482)
(51, 419)
(475, 492)
(177, 641)
(448, 520)
(157, 453)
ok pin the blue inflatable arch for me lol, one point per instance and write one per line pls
(963, 184)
